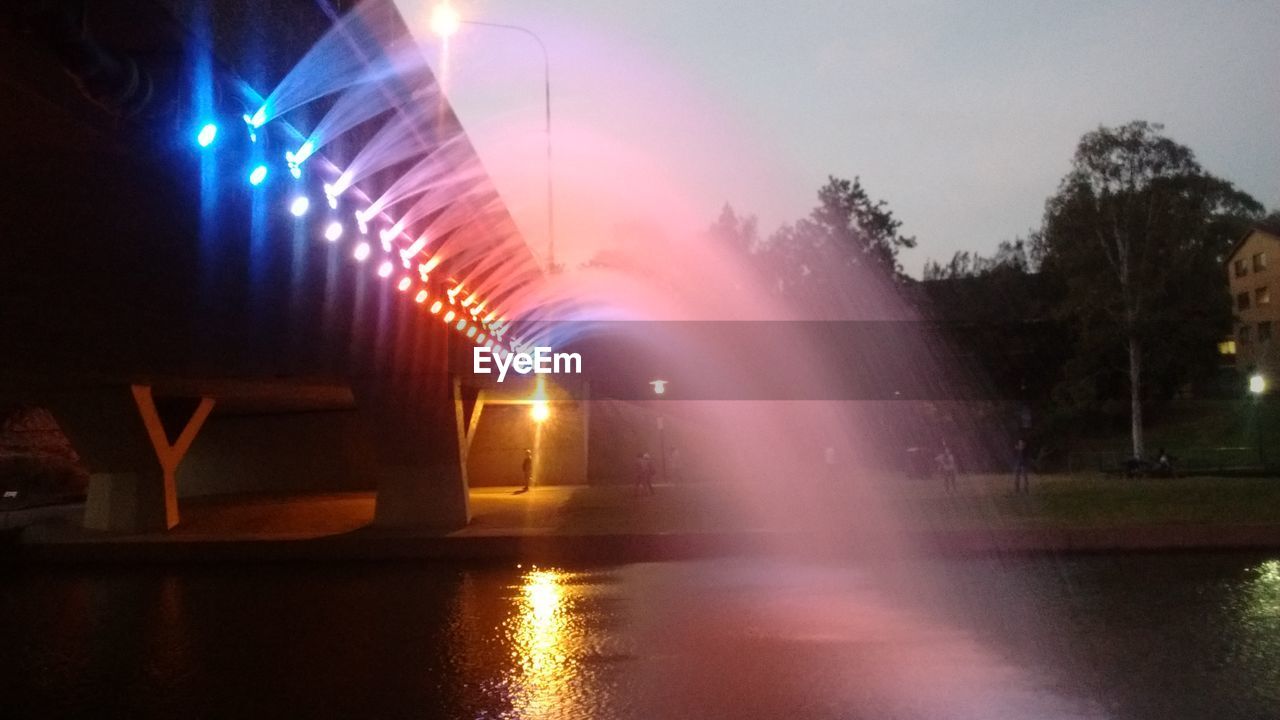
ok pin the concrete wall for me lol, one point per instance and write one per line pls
(278, 453)
(505, 431)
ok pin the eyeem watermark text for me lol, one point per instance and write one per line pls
(539, 362)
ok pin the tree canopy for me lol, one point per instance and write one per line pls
(1135, 235)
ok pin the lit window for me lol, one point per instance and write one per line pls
(1242, 301)
(1259, 261)
(1245, 336)
(1262, 296)
(1241, 268)
(1264, 331)
(1227, 347)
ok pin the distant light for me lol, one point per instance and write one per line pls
(333, 232)
(403, 284)
(299, 206)
(471, 331)
(445, 20)
(449, 316)
(462, 324)
(362, 251)
(659, 386)
(333, 201)
(384, 270)
(1257, 383)
(420, 297)
(257, 175)
(295, 171)
(207, 134)
(540, 412)
(480, 340)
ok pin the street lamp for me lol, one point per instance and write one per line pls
(1257, 384)
(445, 21)
(540, 412)
(659, 389)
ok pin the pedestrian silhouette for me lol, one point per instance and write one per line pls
(527, 468)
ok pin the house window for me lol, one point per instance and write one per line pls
(1227, 347)
(1245, 336)
(1241, 268)
(1242, 301)
(1259, 261)
(1264, 331)
(1262, 296)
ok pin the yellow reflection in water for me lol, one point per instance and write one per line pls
(1264, 590)
(543, 634)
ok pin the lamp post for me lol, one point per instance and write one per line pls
(1257, 388)
(445, 21)
(659, 389)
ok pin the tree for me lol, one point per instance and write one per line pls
(736, 232)
(846, 229)
(1008, 257)
(1136, 233)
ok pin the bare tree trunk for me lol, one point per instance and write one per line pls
(1135, 394)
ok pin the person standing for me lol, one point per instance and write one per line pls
(947, 468)
(1021, 468)
(526, 467)
(644, 473)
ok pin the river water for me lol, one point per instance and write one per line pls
(1138, 636)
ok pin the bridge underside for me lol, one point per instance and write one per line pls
(184, 332)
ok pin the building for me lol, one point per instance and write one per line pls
(1253, 274)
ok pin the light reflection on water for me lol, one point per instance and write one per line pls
(1132, 637)
(542, 633)
(1263, 591)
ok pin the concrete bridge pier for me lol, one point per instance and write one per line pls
(419, 467)
(118, 431)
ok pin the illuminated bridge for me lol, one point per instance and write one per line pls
(256, 224)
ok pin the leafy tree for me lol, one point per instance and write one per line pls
(846, 229)
(1008, 257)
(1135, 234)
(736, 232)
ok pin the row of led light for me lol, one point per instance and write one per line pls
(480, 331)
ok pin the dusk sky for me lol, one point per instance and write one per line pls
(963, 116)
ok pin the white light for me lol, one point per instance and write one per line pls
(444, 20)
(333, 232)
(659, 386)
(449, 316)
(420, 297)
(403, 284)
(207, 134)
(258, 118)
(362, 251)
(414, 248)
(299, 206)
(384, 270)
(1257, 383)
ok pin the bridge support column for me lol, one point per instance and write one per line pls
(421, 471)
(118, 432)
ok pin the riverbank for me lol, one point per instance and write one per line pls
(1063, 514)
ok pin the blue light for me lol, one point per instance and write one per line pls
(207, 134)
(256, 120)
(258, 175)
(299, 206)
